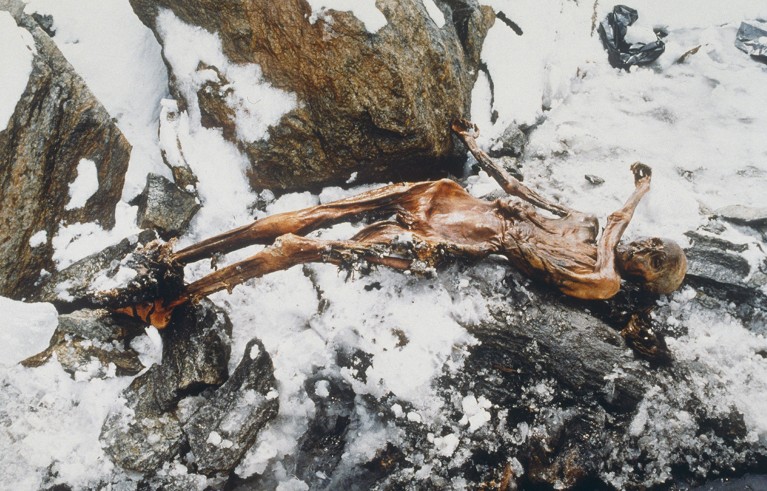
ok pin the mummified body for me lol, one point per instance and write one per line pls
(436, 222)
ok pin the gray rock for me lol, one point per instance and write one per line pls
(511, 143)
(164, 207)
(717, 260)
(67, 289)
(378, 104)
(745, 215)
(321, 447)
(227, 424)
(751, 38)
(86, 337)
(144, 432)
(56, 123)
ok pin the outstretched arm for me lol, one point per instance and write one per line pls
(619, 220)
(468, 132)
(604, 281)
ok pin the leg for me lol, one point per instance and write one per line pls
(468, 132)
(301, 222)
(381, 243)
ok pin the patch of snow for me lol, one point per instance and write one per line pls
(257, 104)
(51, 425)
(38, 238)
(435, 13)
(27, 328)
(77, 240)
(365, 10)
(447, 444)
(321, 388)
(84, 186)
(15, 64)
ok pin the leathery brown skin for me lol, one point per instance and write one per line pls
(438, 221)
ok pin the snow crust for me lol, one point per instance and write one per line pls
(18, 49)
(365, 10)
(84, 186)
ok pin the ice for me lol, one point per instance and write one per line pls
(84, 186)
(38, 238)
(15, 64)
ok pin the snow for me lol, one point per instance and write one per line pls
(434, 12)
(15, 65)
(119, 58)
(26, 329)
(365, 10)
(257, 104)
(84, 186)
(698, 124)
(38, 238)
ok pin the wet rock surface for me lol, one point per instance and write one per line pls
(56, 124)
(164, 207)
(377, 104)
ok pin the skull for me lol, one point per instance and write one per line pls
(658, 264)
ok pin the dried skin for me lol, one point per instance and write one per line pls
(436, 222)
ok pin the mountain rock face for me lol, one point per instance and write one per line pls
(57, 137)
(371, 105)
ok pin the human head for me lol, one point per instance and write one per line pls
(659, 265)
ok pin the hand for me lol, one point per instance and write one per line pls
(465, 127)
(642, 173)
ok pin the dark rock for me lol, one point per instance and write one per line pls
(144, 432)
(56, 123)
(321, 447)
(92, 335)
(164, 207)
(226, 425)
(595, 180)
(751, 39)
(511, 143)
(717, 260)
(66, 288)
(745, 215)
(379, 104)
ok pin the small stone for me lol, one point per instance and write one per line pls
(165, 207)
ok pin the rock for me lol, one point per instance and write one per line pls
(511, 143)
(378, 104)
(717, 260)
(744, 215)
(227, 424)
(144, 432)
(752, 39)
(163, 207)
(94, 344)
(321, 447)
(58, 129)
(68, 288)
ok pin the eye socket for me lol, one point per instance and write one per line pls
(657, 262)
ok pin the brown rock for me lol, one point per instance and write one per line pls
(56, 123)
(378, 103)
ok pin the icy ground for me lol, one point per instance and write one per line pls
(700, 125)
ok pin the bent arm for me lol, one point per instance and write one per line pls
(468, 132)
(604, 281)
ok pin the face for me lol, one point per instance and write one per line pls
(659, 264)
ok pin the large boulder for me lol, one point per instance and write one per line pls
(62, 159)
(313, 98)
